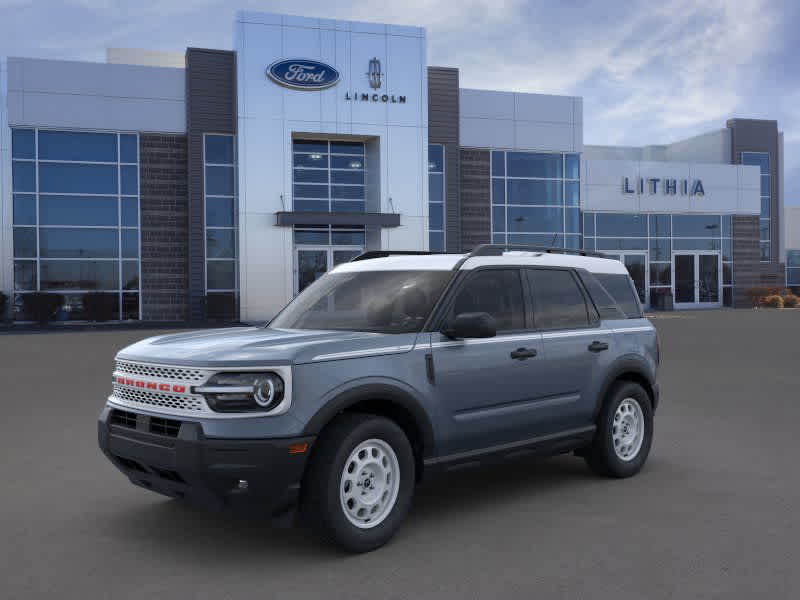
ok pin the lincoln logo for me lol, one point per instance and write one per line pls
(374, 74)
(151, 385)
(301, 74)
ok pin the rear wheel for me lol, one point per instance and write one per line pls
(624, 432)
(358, 487)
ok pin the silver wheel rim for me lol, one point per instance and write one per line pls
(370, 483)
(627, 430)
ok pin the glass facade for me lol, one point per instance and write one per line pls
(793, 269)
(76, 219)
(536, 198)
(761, 160)
(328, 176)
(219, 159)
(657, 237)
(436, 197)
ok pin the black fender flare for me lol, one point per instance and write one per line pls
(379, 392)
(627, 364)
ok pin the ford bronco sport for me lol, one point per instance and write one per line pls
(387, 368)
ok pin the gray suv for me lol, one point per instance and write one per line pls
(388, 368)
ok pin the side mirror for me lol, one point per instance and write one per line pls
(471, 325)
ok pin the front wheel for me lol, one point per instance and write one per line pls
(358, 487)
(624, 432)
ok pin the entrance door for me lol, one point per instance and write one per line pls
(636, 263)
(311, 263)
(696, 279)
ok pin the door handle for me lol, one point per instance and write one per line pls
(523, 353)
(598, 346)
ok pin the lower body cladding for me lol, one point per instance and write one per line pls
(174, 458)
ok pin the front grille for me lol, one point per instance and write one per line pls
(158, 372)
(157, 400)
(123, 418)
(168, 427)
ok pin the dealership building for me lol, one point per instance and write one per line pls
(218, 184)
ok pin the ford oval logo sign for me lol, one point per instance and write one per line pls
(303, 74)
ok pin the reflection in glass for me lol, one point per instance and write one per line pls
(221, 274)
(80, 275)
(25, 242)
(66, 178)
(219, 149)
(56, 242)
(25, 275)
(24, 209)
(77, 210)
(77, 146)
(220, 243)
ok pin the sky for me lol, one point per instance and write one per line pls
(650, 72)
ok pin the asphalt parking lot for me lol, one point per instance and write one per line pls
(714, 514)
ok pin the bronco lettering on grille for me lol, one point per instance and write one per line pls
(151, 385)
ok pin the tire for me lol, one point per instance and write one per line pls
(359, 483)
(616, 451)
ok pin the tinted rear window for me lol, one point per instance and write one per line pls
(606, 305)
(621, 290)
(558, 302)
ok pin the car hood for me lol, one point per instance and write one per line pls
(246, 346)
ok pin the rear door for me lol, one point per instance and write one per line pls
(575, 346)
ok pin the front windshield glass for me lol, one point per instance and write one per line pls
(379, 301)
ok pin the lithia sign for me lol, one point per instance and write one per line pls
(667, 186)
(306, 74)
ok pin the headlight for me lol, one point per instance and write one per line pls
(243, 392)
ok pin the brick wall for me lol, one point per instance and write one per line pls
(476, 216)
(165, 231)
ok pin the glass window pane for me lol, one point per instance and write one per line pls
(25, 275)
(436, 187)
(498, 163)
(344, 162)
(553, 240)
(498, 238)
(219, 149)
(793, 258)
(78, 243)
(766, 251)
(23, 143)
(660, 226)
(352, 177)
(435, 158)
(589, 244)
(130, 243)
(77, 145)
(498, 218)
(348, 238)
(765, 185)
(25, 242)
(660, 249)
(765, 208)
(312, 237)
(130, 307)
(318, 161)
(572, 242)
(130, 274)
(77, 210)
(526, 191)
(219, 212)
(310, 191)
(727, 226)
(696, 225)
(661, 274)
(621, 244)
(558, 301)
(572, 220)
(312, 175)
(498, 191)
(497, 292)
(24, 209)
(588, 224)
(531, 164)
(572, 190)
(310, 146)
(129, 180)
(695, 244)
(130, 212)
(573, 166)
(219, 181)
(763, 229)
(347, 192)
(727, 249)
(436, 216)
(347, 148)
(79, 275)
(793, 277)
(348, 206)
(23, 176)
(128, 148)
(77, 179)
(727, 297)
(622, 225)
(436, 241)
(221, 274)
(524, 219)
(220, 243)
(727, 273)
(311, 205)
(759, 159)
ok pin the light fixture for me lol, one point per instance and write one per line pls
(316, 156)
(355, 164)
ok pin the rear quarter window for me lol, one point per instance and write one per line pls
(620, 288)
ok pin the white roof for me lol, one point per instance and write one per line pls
(446, 262)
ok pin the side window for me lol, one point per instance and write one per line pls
(558, 302)
(620, 287)
(494, 291)
(606, 305)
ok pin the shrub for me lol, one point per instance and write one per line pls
(790, 301)
(3, 306)
(98, 306)
(773, 301)
(41, 306)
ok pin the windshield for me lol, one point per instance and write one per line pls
(379, 301)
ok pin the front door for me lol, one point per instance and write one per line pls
(696, 279)
(311, 263)
(636, 263)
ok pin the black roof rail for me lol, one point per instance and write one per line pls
(369, 254)
(499, 249)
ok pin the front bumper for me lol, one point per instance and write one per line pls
(174, 458)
